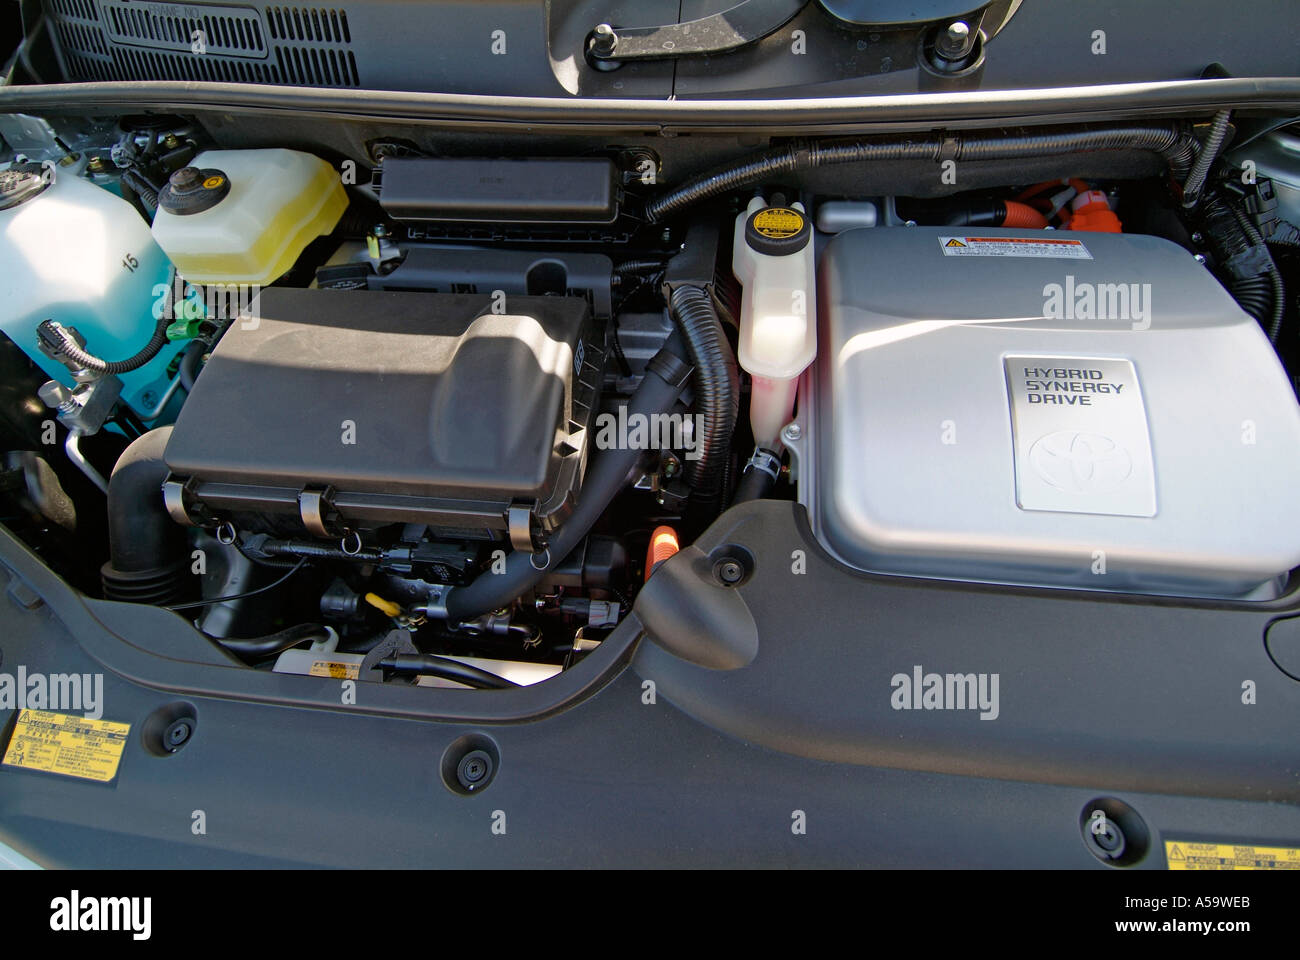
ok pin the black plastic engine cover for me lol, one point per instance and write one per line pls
(403, 406)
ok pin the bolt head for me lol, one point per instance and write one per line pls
(729, 571)
(792, 431)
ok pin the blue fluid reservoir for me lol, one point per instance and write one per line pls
(78, 254)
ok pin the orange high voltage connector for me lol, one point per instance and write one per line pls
(663, 544)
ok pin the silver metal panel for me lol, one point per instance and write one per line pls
(1080, 436)
(908, 456)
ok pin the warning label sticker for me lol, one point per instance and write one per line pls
(335, 669)
(62, 743)
(1184, 855)
(1043, 248)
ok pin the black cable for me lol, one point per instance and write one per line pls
(716, 383)
(1255, 239)
(1209, 153)
(1168, 139)
(259, 648)
(447, 669)
(238, 596)
(63, 342)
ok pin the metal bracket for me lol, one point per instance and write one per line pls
(747, 22)
(314, 508)
(519, 520)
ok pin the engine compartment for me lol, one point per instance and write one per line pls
(431, 417)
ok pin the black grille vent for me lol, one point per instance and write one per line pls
(148, 40)
(321, 26)
(164, 26)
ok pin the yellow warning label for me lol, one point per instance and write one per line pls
(213, 182)
(1184, 855)
(777, 223)
(332, 668)
(62, 743)
(954, 242)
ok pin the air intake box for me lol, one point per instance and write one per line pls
(354, 409)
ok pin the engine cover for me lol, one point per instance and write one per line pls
(1057, 409)
(388, 406)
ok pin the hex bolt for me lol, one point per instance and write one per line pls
(955, 42)
(603, 40)
(792, 432)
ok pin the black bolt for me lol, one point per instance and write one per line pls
(729, 571)
(474, 769)
(177, 734)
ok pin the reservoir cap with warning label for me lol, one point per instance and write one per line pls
(777, 231)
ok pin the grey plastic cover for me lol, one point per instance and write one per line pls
(1087, 410)
(413, 394)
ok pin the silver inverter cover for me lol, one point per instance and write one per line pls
(1047, 408)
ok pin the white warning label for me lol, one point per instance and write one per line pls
(1042, 248)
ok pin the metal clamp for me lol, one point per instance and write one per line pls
(314, 508)
(519, 523)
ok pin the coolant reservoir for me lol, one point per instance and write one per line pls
(245, 216)
(78, 254)
(773, 260)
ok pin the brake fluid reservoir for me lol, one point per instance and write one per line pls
(773, 260)
(78, 254)
(245, 216)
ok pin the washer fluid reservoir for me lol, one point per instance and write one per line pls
(75, 253)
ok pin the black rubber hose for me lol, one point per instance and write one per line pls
(1169, 140)
(147, 548)
(717, 385)
(447, 669)
(189, 368)
(665, 378)
(54, 334)
(259, 648)
(759, 478)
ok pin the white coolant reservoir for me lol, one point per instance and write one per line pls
(245, 216)
(773, 260)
